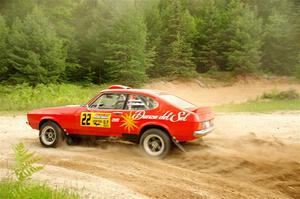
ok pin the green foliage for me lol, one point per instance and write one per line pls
(127, 58)
(228, 39)
(36, 54)
(14, 9)
(24, 97)
(297, 71)
(24, 166)
(153, 23)
(208, 40)
(281, 95)
(243, 53)
(175, 52)
(21, 188)
(279, 54)
(90, 34)
(179, 63)
(33, 191)
(127, 41)
(23, 169)
(3, 48)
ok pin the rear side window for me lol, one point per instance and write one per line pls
(176, 101)
(140, 102)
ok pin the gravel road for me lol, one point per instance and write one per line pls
(247, 156)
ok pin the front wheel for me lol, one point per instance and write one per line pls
(156, 143)
(50, 134)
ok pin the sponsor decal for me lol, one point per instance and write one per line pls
(128, 122)
(99, 116)
(95, 119)
(169, 116)
(115, 119)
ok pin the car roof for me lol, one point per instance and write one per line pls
(135, 91)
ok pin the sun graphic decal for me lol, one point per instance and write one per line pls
(128, 122)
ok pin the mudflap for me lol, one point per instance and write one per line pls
(178, 144)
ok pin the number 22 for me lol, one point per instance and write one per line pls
(86, 118)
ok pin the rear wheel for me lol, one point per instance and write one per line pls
(156, 143)
(50, 134)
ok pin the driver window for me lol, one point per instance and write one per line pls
(140, 102)
(109, 101)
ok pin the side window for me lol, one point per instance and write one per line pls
(109, 101)
(140, 102)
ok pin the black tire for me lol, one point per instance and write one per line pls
(50, 134)
(155, 143)
(72, 140)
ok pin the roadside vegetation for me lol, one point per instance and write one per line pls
(268, 102)
(24, 97)
(21, 186)
(129, 42)
(57, 46)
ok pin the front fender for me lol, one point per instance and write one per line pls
(47, 118)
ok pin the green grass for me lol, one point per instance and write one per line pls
(33, 190)
(22, 187)
(275, 100)
(260, 106)
(23, 97)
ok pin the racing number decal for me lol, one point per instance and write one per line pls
(95, 119)
(85, 119)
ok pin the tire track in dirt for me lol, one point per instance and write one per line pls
(166, 180)
(178, 176)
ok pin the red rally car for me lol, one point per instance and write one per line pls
(154, 119)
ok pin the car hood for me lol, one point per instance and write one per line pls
(56, 110)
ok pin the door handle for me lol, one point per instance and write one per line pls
(117, 113)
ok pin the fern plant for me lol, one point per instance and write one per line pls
(24, 166)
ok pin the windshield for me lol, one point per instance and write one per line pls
(176, 101)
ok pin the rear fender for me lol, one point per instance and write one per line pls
(155, 124)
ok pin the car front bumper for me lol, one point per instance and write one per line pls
(203, 132)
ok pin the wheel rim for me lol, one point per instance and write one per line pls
(48, 135)
(154, 145)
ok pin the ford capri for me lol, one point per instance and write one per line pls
(153, 119)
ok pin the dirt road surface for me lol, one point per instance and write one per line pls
(247, 156)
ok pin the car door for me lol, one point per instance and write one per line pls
(103, 116)
(138, 110)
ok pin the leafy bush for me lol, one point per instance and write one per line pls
(24, 167)
(24, 163)
(281, 95)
